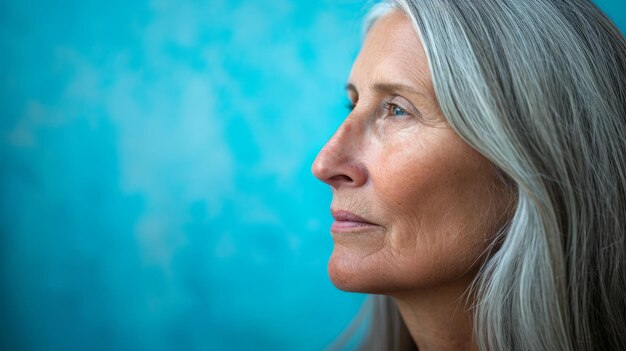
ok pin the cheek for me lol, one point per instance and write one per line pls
(414, 191)
(415, 166)
(436, 201)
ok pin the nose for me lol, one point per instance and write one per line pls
(339, 163)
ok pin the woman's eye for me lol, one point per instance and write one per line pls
(398, 111)
(393, 110)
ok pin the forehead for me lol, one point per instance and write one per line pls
(392, 52)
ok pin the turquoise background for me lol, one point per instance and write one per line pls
(155, 172)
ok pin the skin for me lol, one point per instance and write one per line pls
(433, 204)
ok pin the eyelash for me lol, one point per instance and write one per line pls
(388, 107)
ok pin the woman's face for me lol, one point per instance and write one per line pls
(414, 205)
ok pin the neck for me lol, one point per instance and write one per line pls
(438, 319)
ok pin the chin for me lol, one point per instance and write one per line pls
(351, 273)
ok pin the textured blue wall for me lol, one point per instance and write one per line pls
(154, 159)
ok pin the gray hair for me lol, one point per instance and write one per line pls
(539, 88)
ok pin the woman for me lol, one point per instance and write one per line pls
(479, 182)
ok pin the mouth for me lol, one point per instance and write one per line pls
(347, 222)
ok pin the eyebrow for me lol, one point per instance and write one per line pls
(388, 88)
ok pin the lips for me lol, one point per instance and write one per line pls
(349, 222)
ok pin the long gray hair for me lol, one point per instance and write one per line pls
(539, 88)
